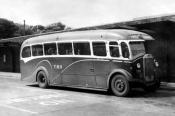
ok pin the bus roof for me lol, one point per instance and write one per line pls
(109, 34)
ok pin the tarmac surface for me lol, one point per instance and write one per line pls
(18, 98)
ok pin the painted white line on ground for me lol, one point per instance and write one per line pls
(56, 102)
(40, 90)
(35, 98)
(19, 109)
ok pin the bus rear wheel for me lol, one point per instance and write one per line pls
(120, 86)
(42, 79)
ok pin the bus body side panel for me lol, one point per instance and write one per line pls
(32, 67)
(26, 71)
(101, 72)
(59, 66)
(64, 71)
(78, 73)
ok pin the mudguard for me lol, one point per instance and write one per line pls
(46, 67)
(127, 75)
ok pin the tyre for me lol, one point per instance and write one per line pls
(120, 86)
(42, 79)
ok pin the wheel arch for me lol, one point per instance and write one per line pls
(44, 66)
(41, 68)
(125, 73)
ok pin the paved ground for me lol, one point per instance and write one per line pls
(22, 99)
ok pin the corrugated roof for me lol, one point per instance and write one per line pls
(20, 39)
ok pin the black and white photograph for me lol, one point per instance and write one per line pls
(87, 58)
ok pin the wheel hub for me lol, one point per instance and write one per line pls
(119, 85)
(42, 79)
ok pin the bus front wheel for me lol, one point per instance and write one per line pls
(120, 86)
(42, 79)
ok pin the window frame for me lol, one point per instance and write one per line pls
(35, 45)
(54, 42)
(23, 50)
(130, 47)
(62, 42)
(105, 42)
(90, 50)
(129, 50)
(119, 49)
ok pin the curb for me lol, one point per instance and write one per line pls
(10, 75)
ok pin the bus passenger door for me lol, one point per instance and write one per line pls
(85, 73)
(101, 72)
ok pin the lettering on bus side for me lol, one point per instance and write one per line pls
(57, 66)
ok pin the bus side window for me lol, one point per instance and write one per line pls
(82, 48)
(65, 48)
(114, 49)
(99, 48)
(26, 52)
(125, 50)
(50, 49)
(37, 50)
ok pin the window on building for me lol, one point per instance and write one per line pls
(82, 48)
(99, 48)
(114, 49)
(37, 50)
(65, 48)
(26, 52)
(125, 50)
(50, 49)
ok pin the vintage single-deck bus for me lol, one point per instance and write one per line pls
(112, 60)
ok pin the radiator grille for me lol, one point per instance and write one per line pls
(149, 69)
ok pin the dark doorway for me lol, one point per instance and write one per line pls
(6, 59)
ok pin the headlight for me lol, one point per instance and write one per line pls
(138, 65)
(156, 64)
